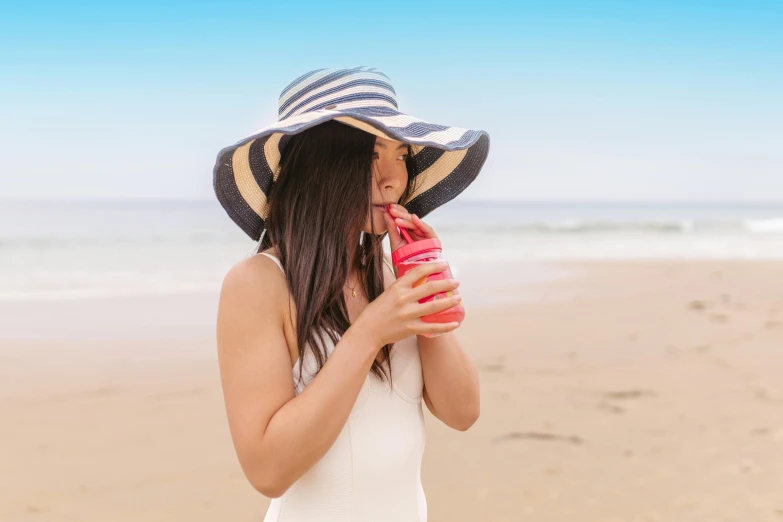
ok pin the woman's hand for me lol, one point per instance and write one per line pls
(396, 313)
(397, 216)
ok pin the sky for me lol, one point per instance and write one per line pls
(610, 101)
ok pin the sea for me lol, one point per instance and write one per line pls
(84, 249)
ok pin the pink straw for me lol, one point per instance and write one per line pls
(403, 231)
(405, 235)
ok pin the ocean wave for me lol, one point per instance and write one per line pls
(213, 238)
(683, 226)
(765, 226)
(58, 242)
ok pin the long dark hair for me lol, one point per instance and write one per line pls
(317, 208)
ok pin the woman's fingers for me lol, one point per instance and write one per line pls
(437, 305)
(424, 227)
(418, 226)
(412, 228)
(435, 328)
(434, 287)
(420, 272)
(414, 231)
(401, 216)
(395, 240)
(398, 211)
(402, 222)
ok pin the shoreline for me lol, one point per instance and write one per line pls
(190, 316)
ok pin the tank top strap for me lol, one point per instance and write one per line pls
(275, 259)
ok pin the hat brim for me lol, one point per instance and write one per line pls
(446, 159)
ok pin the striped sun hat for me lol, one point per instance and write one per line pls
(446, 159)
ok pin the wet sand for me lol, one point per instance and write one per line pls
(628, 392)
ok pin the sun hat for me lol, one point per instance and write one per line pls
(446, 159)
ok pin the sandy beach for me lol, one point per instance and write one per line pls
(628, 392)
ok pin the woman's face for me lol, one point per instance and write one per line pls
(390, 178)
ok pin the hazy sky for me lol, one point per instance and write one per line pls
(663, 100)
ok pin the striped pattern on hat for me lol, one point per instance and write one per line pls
(446, 159)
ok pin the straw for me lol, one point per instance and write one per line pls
(402, 231)
(405, 235)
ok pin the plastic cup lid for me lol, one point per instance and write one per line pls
(412, 249)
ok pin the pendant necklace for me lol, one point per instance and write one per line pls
(353, 290)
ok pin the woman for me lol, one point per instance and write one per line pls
(322, 356)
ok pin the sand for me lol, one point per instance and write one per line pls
(628, 392)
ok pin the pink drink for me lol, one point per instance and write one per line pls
(428, 251)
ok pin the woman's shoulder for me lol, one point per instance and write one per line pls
(255, 288)
(254, 279)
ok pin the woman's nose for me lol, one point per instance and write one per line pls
(387, 178)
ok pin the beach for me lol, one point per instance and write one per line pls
(627, 391)
(604, 179)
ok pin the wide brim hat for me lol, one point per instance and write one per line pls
(445, 159)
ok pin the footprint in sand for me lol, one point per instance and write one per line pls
(532, 435)
(495, 366)
(178, 394)
(628, 394)
(697, 305)
(97, 393)
(617, 410)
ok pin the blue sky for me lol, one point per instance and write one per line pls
(583, 100)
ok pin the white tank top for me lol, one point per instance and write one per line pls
(372, 472)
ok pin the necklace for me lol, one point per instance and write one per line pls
(353, 290)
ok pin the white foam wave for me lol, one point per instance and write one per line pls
(765, 226)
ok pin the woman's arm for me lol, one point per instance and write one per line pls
(277, 435)
(451, 384)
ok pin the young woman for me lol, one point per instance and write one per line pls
(323, 361)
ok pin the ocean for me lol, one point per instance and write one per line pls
(55, 250)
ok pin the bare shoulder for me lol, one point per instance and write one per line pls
(255, 281)
(255, 269)
(252, 301)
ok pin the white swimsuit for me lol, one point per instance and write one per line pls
(372, 472)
